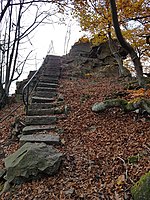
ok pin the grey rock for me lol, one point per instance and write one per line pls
(37, 128)
(50, 111)
(36, 99)
(45, 94)
(45, 105)
(98, 107)
(52, 85)
(40, 120)
(46, 138)
(46, 89)
(70, 191)
(30, 161)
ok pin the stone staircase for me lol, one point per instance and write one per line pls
(46, 107)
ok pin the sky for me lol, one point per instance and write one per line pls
(41, 41)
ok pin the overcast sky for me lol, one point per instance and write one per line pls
(43, 38)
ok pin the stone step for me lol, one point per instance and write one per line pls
(51, 85)
(47, 89)
(51, 71)
(36, 99)
(46, 138)
(49, 80)
(45, 105)
(49, 76)
(50, 111)
(37, 128)
(45, 94)
(40, 120)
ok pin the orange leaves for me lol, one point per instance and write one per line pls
(139, 93)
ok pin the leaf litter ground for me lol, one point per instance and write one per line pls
(96, 148)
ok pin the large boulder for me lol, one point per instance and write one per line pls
(141, 190)
(31, 161)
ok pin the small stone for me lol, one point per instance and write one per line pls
(70, 191)
(60, 97)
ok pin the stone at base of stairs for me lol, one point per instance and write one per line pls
(46, 138)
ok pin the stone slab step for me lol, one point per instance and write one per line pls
(45, 94)
(47, 89)
(46, 138)
(40, 120)
(45, 105)
(51, 85)
(36, 99)
(50, 73)
(49, 80)
(50, 111)
(51, 70)
(37, 128)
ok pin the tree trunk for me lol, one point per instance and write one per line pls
(114, 51)
(125, 45)
(3, 98)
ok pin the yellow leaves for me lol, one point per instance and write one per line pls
(99, 38)
(121, 180)
(95, 16)
(83, 40)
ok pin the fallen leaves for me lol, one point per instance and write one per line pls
(92, 144)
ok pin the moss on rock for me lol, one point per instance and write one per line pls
(141, 190)
(123, 104)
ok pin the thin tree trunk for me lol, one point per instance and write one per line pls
(117, 56)
(125, 45)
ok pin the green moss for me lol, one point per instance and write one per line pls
(133, 159)
(141, 190)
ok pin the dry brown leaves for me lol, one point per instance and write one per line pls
(96, 149)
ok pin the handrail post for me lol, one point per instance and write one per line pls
(27, 99)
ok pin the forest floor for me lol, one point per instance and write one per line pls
(104, 154)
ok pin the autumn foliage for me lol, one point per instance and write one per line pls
(95, 19)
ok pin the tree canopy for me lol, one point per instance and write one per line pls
(133, 16)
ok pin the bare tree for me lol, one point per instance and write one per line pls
(15, 31)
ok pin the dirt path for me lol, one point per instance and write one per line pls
(96, 149)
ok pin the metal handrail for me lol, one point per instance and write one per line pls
(26, 93)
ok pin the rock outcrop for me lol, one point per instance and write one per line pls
(84, 58)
